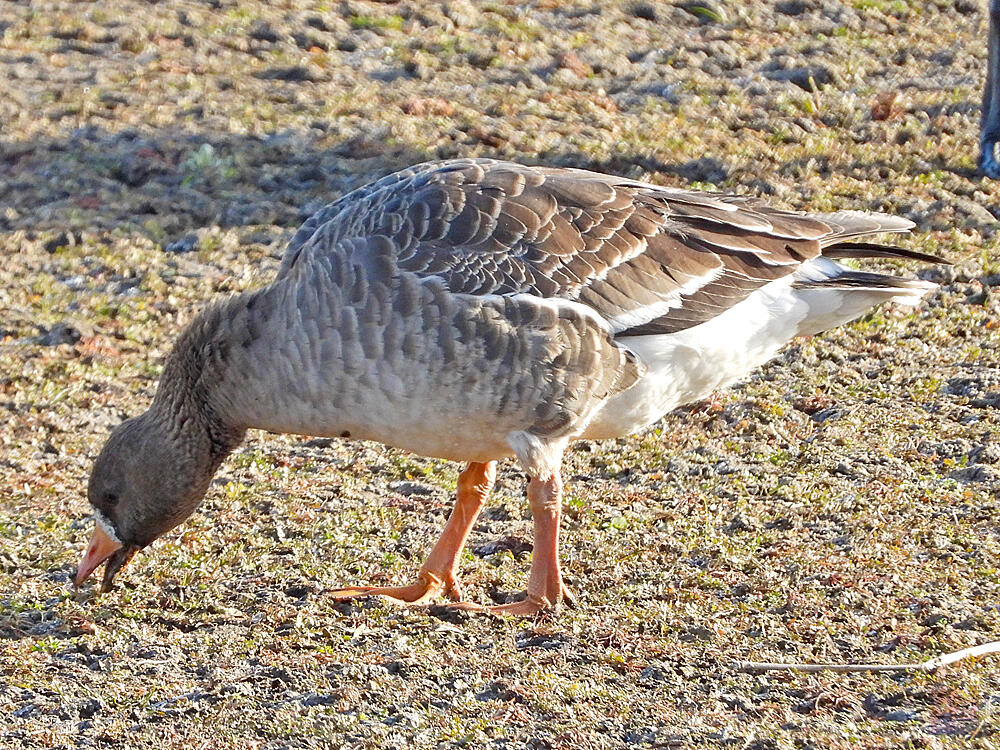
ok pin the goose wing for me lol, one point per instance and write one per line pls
(647, 259)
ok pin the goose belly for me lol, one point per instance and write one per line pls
(443, 422)
(421, 407)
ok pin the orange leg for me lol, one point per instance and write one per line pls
(546, 589)
(437, 575)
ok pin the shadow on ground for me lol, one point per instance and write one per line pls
(167, 183)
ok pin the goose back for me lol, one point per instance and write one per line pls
(647, 259)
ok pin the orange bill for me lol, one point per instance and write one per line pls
(101, 547)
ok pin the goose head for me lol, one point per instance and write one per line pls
(149, 477)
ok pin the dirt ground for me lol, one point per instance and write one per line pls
(839, 505)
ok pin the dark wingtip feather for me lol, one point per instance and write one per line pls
(873, 250)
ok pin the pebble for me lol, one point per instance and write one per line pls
(412, 488)
(186, 244)
(60, 333)
(974, 474)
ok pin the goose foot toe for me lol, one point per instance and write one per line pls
(529, 606)
(427, 588)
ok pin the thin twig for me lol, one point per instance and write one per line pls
(927, 666)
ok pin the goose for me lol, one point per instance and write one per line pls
(477, 310)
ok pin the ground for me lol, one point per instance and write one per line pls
(839, 505)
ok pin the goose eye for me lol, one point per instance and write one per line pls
(111, 498)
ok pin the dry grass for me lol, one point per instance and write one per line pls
(841, 504)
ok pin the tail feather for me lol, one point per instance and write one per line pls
(859, 290)
(904, 291)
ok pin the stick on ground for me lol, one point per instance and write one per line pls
(927, 666)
